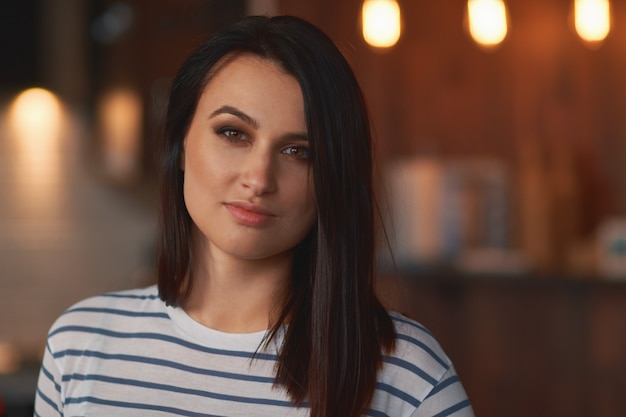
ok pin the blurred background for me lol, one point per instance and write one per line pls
(500, 147)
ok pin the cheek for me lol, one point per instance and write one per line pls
(206, 166)
(203, 177)
(196, 177)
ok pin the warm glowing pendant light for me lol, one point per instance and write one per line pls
(381, 22)
(487, 21)
(36, 122)
(592, 19)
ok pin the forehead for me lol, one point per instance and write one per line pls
(256, 86)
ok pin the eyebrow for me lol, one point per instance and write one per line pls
(237, 113)
(251, 121)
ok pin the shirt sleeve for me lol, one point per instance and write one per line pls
(48, 397)
(447, 399)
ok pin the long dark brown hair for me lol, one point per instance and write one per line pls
(337, 329)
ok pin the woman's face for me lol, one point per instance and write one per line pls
(248, 179)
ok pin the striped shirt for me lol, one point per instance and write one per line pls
(127, 353)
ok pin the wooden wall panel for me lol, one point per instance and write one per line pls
(542, 91)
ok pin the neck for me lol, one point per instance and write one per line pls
(235, 295)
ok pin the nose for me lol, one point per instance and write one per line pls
(259, 172)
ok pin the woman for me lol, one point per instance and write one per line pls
(265, 302)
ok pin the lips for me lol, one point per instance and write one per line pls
(249, 214)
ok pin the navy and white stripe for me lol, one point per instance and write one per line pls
(127, 354)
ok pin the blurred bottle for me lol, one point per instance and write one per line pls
(534, 202)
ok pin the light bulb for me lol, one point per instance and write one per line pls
(487, 21)
(381, 22)
(37, 125)
(120, 112)
(592, 19)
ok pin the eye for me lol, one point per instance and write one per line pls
(231, 134)
(298, 152)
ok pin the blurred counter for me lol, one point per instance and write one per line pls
(17, 392)
(524, 346)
